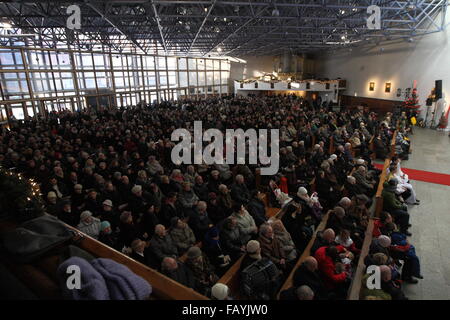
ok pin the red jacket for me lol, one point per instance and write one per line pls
(327, 267)
(377, 225)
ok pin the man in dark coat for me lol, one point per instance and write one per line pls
(178, 271)
(257, 208)
(161, 244)
(239, 190)
(307, 274)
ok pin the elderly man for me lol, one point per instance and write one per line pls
(162, 245)
(139, 252)
(338, 220)
(187, 197)
(231, 238)
(199, 221)
(300, 293)
(307, 274)
(239, 190)
(271, 248)
(363, 182)
(326, 238)
(178, 271)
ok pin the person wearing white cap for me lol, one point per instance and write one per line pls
(220, 291)
(89, 225)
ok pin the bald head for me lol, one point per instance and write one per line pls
(345, 203)
(310, 263)
(305, 293)
(169, 264)
(329, 235)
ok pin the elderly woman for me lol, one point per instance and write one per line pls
(245, 221)
(285, 240)
(181, 234)
(89, 225)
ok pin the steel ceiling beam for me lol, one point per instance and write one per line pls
(113, 24)
(201, 26)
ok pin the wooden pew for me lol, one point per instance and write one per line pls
(378, 195)
(372, 148)
(306, 253)
(231, 278)
(355, 287)
(164, 288)
(331, 148)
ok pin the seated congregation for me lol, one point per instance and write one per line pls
(109, 174)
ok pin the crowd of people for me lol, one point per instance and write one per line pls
(109, 173)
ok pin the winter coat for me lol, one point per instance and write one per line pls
(232, 240)
(312, 279)
(92, 229)
(327, 269)
(390, 202)
(163, 247)
(188, 199)
(246, 223)
(257, 210)
(271, 248)
(240, 193)
(182, 275)
(183, 238)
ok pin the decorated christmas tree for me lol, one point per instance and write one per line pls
(413, 101)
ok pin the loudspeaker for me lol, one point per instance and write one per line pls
(438, 91)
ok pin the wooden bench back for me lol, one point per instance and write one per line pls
(306, 253)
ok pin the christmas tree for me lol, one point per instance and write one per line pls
(411, 104)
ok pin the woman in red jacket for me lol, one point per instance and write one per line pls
(327, 258)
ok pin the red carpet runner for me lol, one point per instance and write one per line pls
(425, 176)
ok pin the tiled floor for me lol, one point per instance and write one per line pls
(431, 219)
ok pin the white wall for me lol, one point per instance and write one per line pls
(426, 59)
(255, 67)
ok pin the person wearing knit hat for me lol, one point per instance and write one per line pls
(85, 215)
(89, 225)
(121, 282)
(202, 269)
(105, 227)
(220, 291)
(194, 252)
(92, 283)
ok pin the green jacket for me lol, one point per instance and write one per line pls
(378, 293)
(389, 199)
